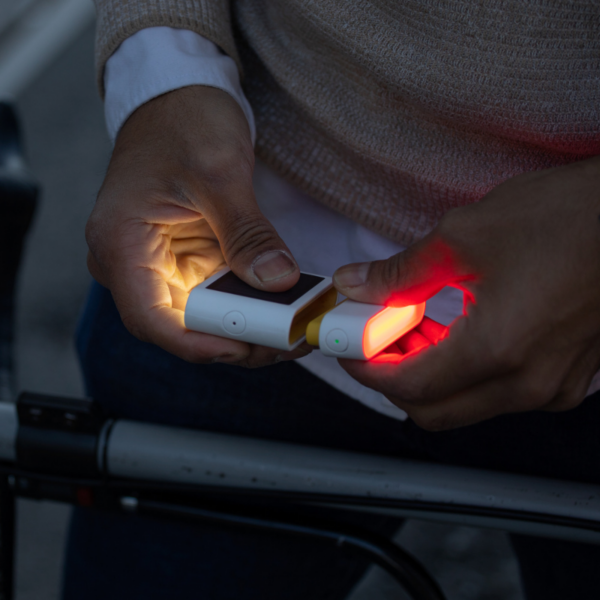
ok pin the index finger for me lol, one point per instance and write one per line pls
(430, 374)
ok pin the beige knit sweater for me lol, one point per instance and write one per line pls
(394, 111)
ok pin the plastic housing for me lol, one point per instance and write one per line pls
(271, 324)
(360, 331)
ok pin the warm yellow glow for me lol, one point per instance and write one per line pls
(388, 325)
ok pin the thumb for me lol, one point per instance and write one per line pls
(409, 277)
(253, 249)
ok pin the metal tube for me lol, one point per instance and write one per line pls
(177, 455)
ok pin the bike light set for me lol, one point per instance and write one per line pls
(226, 306)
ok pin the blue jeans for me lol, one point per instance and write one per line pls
(129, 557)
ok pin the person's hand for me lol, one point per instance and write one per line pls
(177, 204)
(528, 259)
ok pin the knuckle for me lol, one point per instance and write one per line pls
(92, 232)
(568, 400)
(250, 364)
(250, 233)
(260, 357)
(133, 325)
(569, 395)
(193, 355)
(177, 189)
(224, 168)
(503, 357)
(392, 274)
(497, 352)
(102, 233)
(197, 356)
(537, 391)
(393, 271)
(247, 362)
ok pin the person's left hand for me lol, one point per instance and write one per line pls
(527, 257)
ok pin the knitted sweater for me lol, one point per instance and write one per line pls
(394, 112)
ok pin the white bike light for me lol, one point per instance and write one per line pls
(226, 306)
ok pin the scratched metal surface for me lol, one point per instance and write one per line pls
(147, 451)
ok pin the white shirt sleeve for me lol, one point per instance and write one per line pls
(157, 60)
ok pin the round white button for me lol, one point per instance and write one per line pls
(234, 322)
(337, 340)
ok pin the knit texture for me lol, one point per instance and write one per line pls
(393, 113)
(116, 20)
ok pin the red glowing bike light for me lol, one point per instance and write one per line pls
(388, 325)
(359, 331)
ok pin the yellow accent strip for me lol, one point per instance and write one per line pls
(325, 302)
(313, 328)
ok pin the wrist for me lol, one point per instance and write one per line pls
(189, 127)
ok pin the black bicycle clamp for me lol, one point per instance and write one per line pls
(59, 435)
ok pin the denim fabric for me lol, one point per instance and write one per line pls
(130, 557)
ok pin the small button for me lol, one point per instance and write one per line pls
(234, 322)
(337, 340)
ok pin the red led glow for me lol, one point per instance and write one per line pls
(388, 325)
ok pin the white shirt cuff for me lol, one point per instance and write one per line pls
(157, 60)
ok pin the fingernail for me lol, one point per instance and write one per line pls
(352, 275)
(273, 265)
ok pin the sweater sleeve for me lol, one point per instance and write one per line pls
(157, 60)
(119, 19)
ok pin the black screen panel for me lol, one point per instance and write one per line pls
(230, 283)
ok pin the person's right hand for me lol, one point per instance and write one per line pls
(177, 204)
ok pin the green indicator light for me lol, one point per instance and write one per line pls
(337, 341)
